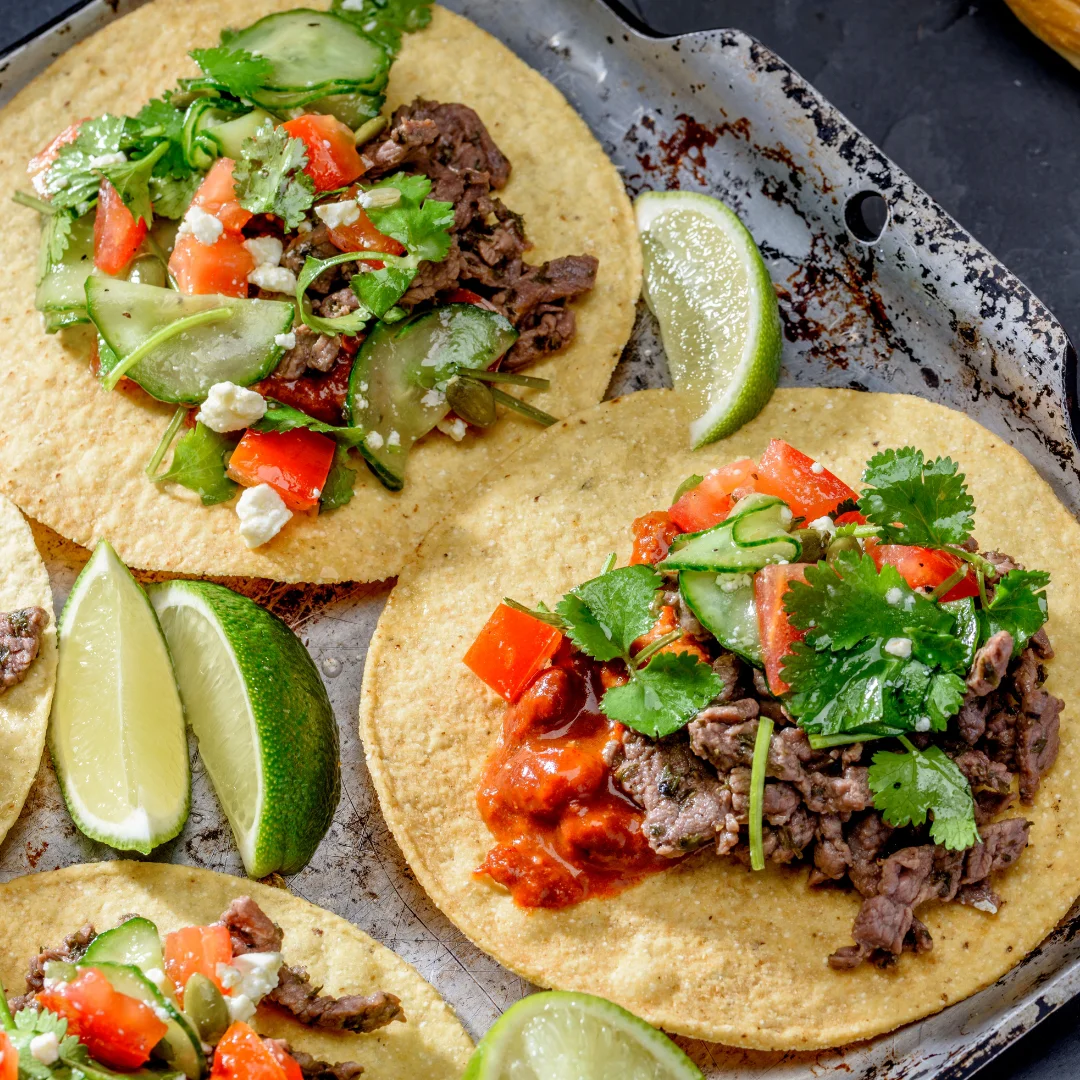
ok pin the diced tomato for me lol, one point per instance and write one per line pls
(510, 650)
(777, 633)
(467, 296)
(922, 567)
(667, 622)
(294, 463)
(851, 517)
(362, 235)
(711, 501)
(333, 160)
(790, 475)
(242, 1055)
(117, 235)
(197, 950)
(653, 534)
(118, 1030)
(221, 267)
(39, 164)
(9, 1059)
(217, 196)
(285, 1060)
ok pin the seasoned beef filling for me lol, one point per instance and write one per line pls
(818, 808)
(70, 951)
(314, 1069)
(20, 639)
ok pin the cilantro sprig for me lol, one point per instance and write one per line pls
(269, 178)
(237, 71)
(385, 20)
(1018, 606)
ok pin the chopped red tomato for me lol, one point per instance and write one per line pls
(221, 267)
(510, 650)
(333, 160)
(9, 1059)
(667, 622)
(117, 235)
(217, 196)
(284, 1059)
(197, 950)
(809, 489)
(294, 463)
(467, 296)
(39, 164)
(922, 567)
(118, 1030)
(362, 235)
(851, 517)
(777, 633)
(653, 534)
(242, 1055)
(711, 501)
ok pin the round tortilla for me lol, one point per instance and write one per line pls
(706, 949)
(24, 708)
(74, 456)
(42, 909)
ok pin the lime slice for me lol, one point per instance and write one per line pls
(710, 291)
(266, 731)
(117, 727)
(562, 1036)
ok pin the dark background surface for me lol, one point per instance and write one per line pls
(982, 115)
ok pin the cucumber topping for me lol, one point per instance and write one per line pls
(61, 292)
(728, 613)
(231, 134)
(135, 941)
(176, 347)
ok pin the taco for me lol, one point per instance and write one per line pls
(687, 682)
(198, 253)
(27, 661)
(227, 976)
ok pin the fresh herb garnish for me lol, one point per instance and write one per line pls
(1018, 606)
(132, 181)
(26, 1025)
(269, 178)
(688, 484)
(338, 489)
(385, 20)
(239, 72)
(279, 417)
(198, 463)
(908, 786)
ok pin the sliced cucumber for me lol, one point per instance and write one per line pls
(730, 615)
(231, 135)
(312, 48)
(238, 349)
(351, 109)
(62, 289)
(199, 149)
(759, 519)
(752, 537)
(393, 386)
(57, 320)
(181, 1047)
(135, 941)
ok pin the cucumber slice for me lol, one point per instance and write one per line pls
(392, 385)
(134, 942)
(57, 320)
(312, 48)
(762, 522)
(62, 289)
(730, 615)
(721, 551)
(199, 149)
(354, 110)
(238, 349)
(180, 1048)
(231, 135)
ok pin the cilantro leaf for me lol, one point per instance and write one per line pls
(72, 182)
(663, 695)
(159, 119)
(385, 20)
(338, 489)
(914, 501)
(172, 195)
(1019, 606)
(198, 463)
(132, 182)
(604, 616)
(421, 224)
(380, 290)
(944, 698)
(909, 786)
(280, 417)
(269, 177)
(241, 73)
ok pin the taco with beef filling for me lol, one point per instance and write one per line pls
(279, 296)
(156, 971)
(769, 742)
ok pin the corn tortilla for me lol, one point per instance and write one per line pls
(24, 708)
(41, 909)
(706, 949)
(73, 456)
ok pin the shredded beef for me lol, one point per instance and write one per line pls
(20, 639)
(314, 351)
(353, 1012)
(314, 1069)
(991, 663)
(71, 951)
(250, 928)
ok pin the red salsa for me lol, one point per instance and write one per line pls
(565, 831)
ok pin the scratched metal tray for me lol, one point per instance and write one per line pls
(923, 310)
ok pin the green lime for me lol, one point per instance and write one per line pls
(563, 1036)
(117, 727)
(709, 289)
(266, 731)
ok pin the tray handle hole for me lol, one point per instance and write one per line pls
(866, 216)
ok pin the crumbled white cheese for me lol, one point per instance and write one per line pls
(161, 1013)
(228, 976)
(158, 978)
(393, 439)
(335, 214)
(304, 226)
(894, 596)
(824, 525)
(241, 1008)
(229, 407)
(433, 399)
(374, 440)
(923, 723)
(206, 228)
(273, 279)
(786, 516)
(262, 513)
(898, 646)
(286, 341)
(455, 428)
(817, 468)
(986, 905)
(258, 973)
(45, 1048)
(732, 582)
(265, 250)
(379, 197)
(103, 161)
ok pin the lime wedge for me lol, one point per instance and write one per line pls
(709, 289)
(563, 1036)
(117, 727)
(266, 731)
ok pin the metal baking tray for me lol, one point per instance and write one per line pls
(924, 309)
